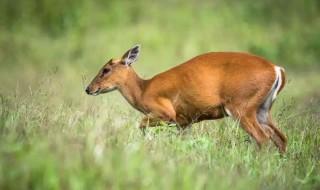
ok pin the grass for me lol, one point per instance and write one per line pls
(49, 141)
(54, 136)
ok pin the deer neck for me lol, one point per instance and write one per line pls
(133, 89)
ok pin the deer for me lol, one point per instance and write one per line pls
(209, 86)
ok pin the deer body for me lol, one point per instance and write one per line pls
(209, 86)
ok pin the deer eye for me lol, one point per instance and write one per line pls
(105, 71)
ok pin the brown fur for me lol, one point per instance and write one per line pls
(199, 89)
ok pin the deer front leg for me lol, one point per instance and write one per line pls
(150, 121)
(161, 112)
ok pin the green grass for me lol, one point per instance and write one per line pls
(52, 142)
(54, 136)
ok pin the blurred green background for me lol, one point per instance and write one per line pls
(53, 136)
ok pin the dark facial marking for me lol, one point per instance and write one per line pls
(105, 71)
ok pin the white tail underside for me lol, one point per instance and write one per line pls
(277, 82)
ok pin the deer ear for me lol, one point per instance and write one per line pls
(131, 55)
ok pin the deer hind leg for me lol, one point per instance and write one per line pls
(246, 113)
(264, 118)
(278, 138)
(250, 124)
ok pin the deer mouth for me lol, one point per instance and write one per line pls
(100, 91)
(89, 92)
(106, 90)
(96, 93)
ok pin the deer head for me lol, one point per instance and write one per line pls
(114, 73)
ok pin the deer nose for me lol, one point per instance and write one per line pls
(87, 90)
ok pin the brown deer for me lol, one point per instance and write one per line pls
(210, 86)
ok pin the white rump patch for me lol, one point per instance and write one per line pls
(262, 114)
(278, 82)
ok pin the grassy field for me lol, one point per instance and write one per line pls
(54, 136)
